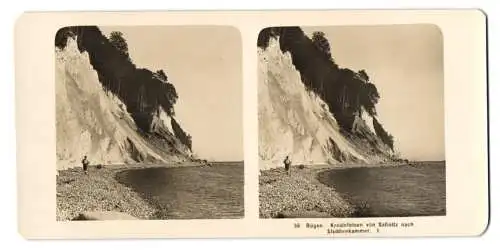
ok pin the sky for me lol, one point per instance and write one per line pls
(204, 63)
(405, 62)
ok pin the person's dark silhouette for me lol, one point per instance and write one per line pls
(288, 164)
(85, 164)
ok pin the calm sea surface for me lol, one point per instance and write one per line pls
(191, 192)
(391, 191)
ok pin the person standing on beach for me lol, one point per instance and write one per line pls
(288, 164)
(85, 164)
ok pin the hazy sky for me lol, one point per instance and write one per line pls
(204, 64)
(405, 62)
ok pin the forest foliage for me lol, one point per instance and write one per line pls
(143, 91)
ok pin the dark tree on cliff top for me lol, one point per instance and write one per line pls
(160, 74)
(168, 96)
(117, 40)
(363, 75)
(321, 43)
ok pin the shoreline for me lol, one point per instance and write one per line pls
(124, 166)
(102, 191)
(303, 195)
(299, 195)
(79, 193)
(357, 165)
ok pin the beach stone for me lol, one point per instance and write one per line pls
(105, 215)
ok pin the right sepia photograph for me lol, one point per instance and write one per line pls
(351, 121)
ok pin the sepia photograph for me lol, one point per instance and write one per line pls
(149, 123)
(251, 124)
(351, 121)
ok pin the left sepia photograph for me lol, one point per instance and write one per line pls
(149, 123)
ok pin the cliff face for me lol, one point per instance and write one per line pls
(102, 117)
(310, 108)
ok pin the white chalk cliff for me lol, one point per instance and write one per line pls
(90, 121)
(296, 122)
